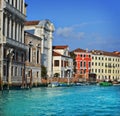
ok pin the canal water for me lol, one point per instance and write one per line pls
(61, 101)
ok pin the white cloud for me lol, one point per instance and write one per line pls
(69, 32)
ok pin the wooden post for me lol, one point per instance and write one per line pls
(23, 78)
(1, 84)
(31, 78)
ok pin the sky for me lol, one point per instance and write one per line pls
(86, 24)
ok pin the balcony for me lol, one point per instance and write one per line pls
(16, 44)
(14, 11)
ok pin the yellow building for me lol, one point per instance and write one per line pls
(106, 65)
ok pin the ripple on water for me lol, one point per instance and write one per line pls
(68, 101)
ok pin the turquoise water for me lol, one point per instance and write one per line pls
(62, 101)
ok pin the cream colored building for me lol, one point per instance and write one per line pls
(33, 58)
(106, 65)
(62, 62)
(12, 47)
(43, 29)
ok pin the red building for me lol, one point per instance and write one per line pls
(83, 62)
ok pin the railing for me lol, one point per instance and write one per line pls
(16, 43)
(14, 10)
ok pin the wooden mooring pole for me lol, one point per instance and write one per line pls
(31, 78)
(1, 84)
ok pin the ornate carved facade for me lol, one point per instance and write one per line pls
(12, 47)
(33, 58)
(43, 29)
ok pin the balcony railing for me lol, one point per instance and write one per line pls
(16, 44)
(14, 10)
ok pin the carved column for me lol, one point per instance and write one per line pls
(10, 58)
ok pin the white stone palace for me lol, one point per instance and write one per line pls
(12, 47)
(43, 29)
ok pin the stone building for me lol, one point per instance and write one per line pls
(33, 58)
(83, 63)
(43, 29)
(62, 62)
(106, 65)
(12, 47)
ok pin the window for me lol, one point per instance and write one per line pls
(22, 58)
(96, 64)
(16, 56)
(12, 71)
(37, 55)
(56, 63)
(89, 64)
(16, 71)
(5, 52)
(81, 64)
(92, 63)
(4, 24)
(61, 63)
(4, 70)
(37, 74)
(21, 71)
(29, 54)
(84, 64)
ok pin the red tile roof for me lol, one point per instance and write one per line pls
(56, 54)
(79, 50)
(99, 52)
(60, 47)
(27, 23)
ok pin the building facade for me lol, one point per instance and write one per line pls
(62, 62)
(83, 63)
(33, 58)
(106, 65)
(43, 29)
(12, 47)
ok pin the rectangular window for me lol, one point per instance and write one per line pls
(37, 74)
(81, 64)
(84, 64)
(56, 63)
(61, 63)
(12, 71)
(89, 64)
(4, 24)
(21, 71)
(22, 58)
(16, 56)
(4, 70)
(16, 71)
(29, 54)
(37, 55)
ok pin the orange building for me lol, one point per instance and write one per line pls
(83, 63)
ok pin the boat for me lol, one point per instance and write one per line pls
(105, 84)
(53, 84)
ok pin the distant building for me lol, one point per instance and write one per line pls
(83, 63)
(33, 58)
(106, 65)
(43, 29)
(62, 62)
(12, 47)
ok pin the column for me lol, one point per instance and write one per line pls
(10, 25)
(1, 66)
(22, 34)
(17, 32)
(20, 39)
(6, 26)
(13, 29)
